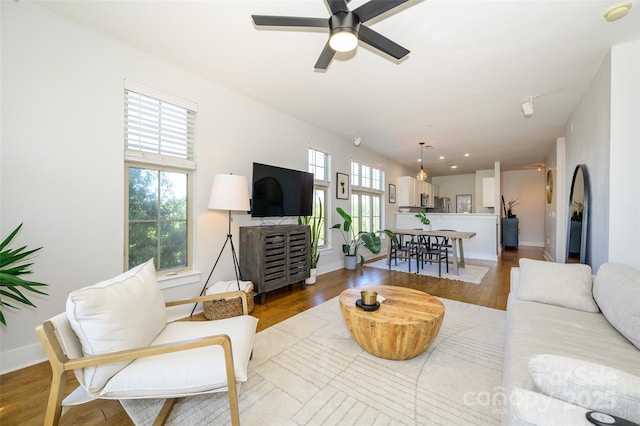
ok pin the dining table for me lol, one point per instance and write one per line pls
(456, 238)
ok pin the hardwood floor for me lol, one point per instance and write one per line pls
(24, 393)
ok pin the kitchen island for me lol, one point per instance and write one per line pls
(483, 246)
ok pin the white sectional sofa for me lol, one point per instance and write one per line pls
(572, 343)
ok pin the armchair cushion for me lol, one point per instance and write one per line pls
(143, 378)
(125, 312)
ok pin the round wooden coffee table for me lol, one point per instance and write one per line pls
(402, 328)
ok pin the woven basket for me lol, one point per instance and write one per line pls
(227, 308)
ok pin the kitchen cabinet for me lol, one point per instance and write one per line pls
(428, 190)
(488, 192)
(408, 192)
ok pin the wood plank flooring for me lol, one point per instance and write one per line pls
(24, 393)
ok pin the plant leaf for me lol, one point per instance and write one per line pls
(7, 240)
(11, 285)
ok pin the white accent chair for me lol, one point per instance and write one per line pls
(115, 337)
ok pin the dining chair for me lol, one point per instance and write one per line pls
(405, 250)
(116, 339)
(433, 249)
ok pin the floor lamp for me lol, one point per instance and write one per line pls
(228, 192)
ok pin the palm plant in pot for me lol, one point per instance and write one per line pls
(12, 265)
(315, 225)
(353, 240)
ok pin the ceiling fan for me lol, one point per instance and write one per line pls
(345, 26)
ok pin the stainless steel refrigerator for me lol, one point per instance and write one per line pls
(441, 205)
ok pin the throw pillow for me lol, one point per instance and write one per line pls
(533, 409)
(125, 312)
(616, 289)
(587, 384)
(561, 284)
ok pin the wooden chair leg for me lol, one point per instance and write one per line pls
(163, 415)
(54, 405)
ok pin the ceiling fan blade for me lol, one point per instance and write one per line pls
(289, 21)
(382, 43)
(325, 57)
(374, 8)
(337, 6)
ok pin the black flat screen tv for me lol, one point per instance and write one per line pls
(279, 192)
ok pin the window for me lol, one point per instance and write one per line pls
(159, 163)
(320, 166)
(368, 178)
(367, 193)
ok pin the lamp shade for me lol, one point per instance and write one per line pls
(229, 192)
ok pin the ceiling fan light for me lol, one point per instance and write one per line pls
(343, 40)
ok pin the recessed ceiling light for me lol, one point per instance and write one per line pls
(442, 157)
(466, 155)
(453, 166)
(618, 11)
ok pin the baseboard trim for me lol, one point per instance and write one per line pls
(532, 243)
(25, 356)
(548, 257)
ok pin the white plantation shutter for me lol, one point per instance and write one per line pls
(319, 164)
(159, 128)
(367, 178)
(366, 197)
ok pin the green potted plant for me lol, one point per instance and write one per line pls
(315, 224)
(353, 240)
(426, 224)
(11, 267)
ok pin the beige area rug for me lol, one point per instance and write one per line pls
(470, 273)
(308, 370)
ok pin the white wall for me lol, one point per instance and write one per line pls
(555, 212)
(528, 188)
(603, 133)
(62, 164)
(624, 196)
(587, 142)
(450, 186)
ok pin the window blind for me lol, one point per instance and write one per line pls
(157, 131)
(367, 177)
(319, 165)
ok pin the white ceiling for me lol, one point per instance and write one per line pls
(472, 64)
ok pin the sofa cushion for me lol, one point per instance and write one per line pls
(125, 312)
(534, 409)
(534, 328)
(616, 289)
(587, 384)
(561, 284)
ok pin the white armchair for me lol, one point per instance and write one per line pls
(115, 338)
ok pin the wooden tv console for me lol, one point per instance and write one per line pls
(274, 256)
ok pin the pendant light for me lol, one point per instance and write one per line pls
(422, 175)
